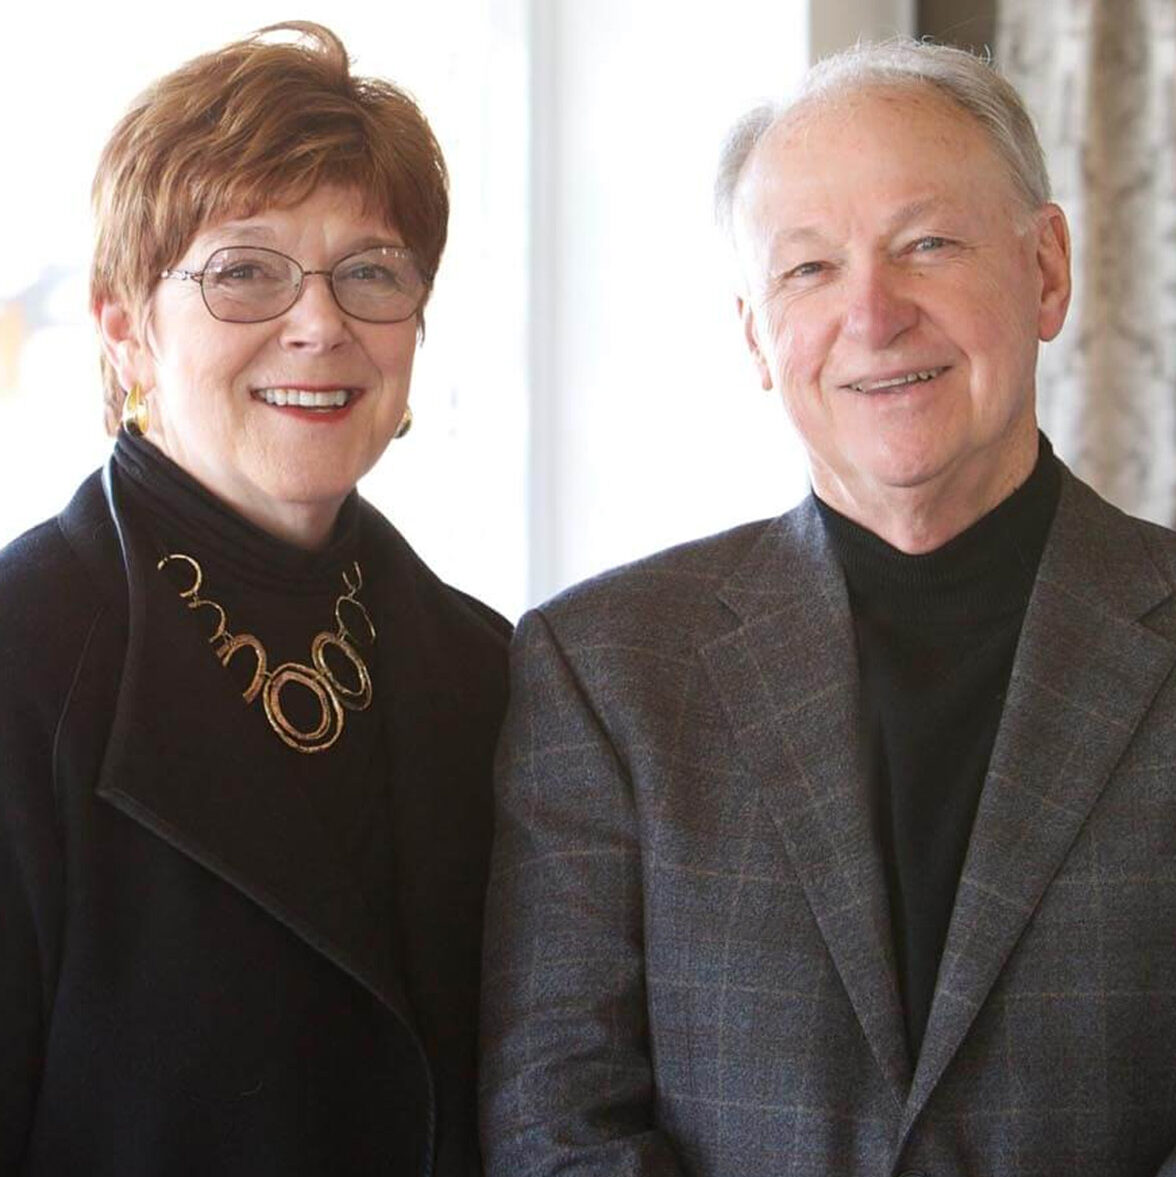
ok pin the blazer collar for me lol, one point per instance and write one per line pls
(1087, 667)
(261, 837)
(1086, 671)
(787, 677)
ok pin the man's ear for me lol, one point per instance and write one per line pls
(751, 336)
(123, 344)
(1053, 261)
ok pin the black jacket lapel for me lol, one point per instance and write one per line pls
(260, 836)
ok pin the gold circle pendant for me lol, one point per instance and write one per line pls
(330, 724)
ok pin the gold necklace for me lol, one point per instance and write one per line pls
(331, 695)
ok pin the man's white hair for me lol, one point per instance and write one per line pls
(972, 83)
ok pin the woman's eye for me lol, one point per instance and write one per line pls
(369, 272)
(244, 268)
(241, 273)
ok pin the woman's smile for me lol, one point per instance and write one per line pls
(242, 406)
(322, 401)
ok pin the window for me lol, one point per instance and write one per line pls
(583, 395)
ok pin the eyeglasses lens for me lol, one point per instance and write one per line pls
(381, 285)
(251, 284)
(246, 285)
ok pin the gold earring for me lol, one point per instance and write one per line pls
(135, 417)
(405, 423)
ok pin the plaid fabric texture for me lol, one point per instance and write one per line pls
(688, 963)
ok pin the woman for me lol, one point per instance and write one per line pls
(245, 733)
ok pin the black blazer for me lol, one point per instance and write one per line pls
(185, 965)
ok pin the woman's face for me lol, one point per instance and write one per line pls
(212, 386)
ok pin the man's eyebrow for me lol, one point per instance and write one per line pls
(799, 235)
(914, 209)
(899, 219)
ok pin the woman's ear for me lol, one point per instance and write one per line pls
(123, 344)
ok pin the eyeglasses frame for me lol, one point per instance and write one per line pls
(197, 276)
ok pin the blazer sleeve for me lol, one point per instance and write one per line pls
(566, 1080)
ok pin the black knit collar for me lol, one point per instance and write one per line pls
(182, 514)
(984, 571)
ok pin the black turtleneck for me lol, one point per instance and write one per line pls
(284, 596)
(936, 635)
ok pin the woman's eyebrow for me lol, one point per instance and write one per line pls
(247, 234)
(374, 241)
(243, 232)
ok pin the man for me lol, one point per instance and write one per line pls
(845, 843)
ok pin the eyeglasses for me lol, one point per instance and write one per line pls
(249, 284)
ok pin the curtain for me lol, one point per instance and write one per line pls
(1100, 79)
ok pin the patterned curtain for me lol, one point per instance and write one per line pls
(1100, 78)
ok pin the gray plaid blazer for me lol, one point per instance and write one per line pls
(689, 964)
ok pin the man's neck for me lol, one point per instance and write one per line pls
(919, 519)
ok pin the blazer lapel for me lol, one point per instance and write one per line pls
(1085, 672)
(787, 676)
(264, 838)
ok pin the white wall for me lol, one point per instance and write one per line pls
(648, 423)
(457, 485)
(583, 396)
(837, 25)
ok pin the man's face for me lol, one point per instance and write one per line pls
(895, 293)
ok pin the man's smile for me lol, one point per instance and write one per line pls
(882, 383)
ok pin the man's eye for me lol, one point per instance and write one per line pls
(806, 270)
(927, 244)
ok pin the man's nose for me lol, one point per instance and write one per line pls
(315, 321)
(880, 308)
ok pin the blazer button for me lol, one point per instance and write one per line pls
(912, 1173)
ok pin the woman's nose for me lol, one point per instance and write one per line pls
(315, 320)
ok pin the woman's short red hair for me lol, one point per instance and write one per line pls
(258, 124)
